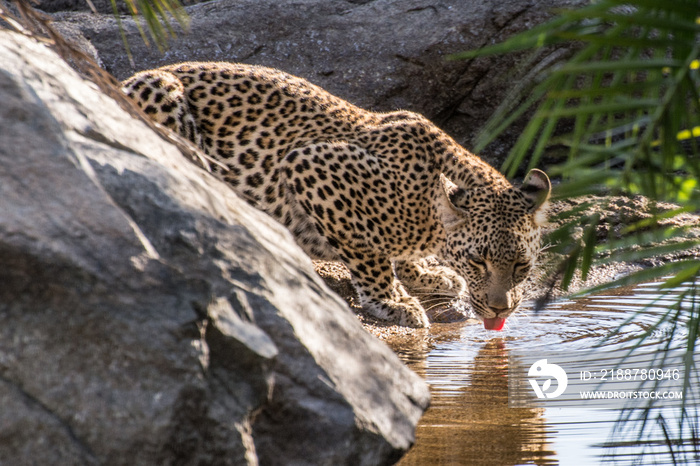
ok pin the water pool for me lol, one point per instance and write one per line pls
(470, 422)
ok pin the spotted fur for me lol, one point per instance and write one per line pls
(377, 191)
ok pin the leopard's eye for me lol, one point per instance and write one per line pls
(478, 263)
(521, 267)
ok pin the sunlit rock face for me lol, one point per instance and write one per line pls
(149, 316)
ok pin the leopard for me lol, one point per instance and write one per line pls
(381, 192)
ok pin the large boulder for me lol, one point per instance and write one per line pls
(381, 55)
(149, 316)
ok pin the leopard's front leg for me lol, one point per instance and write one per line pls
(381, 294)
(335, 189)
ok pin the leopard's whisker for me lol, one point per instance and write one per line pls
(434, 306)
(440, 295)
(437, 299)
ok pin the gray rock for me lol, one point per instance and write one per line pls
(101, 6)
(381, 55)
(149, 316)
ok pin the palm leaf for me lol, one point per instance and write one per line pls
(626, 109)
(158, 16)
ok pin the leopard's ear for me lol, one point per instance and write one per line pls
(537, 189)
(454, 205)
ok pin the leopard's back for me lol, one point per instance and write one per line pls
(246, 117)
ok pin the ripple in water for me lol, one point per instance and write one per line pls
(470, 423)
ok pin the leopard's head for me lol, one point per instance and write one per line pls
(493, 239)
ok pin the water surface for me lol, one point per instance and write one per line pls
(469, 421)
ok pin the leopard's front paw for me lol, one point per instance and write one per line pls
(413, 314)
(405, 310)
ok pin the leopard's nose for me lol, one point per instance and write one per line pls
(499, 303)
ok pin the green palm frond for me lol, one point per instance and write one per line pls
(158, 16)
(634, 76)
(621, 117)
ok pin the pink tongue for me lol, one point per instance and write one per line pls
(494, 323)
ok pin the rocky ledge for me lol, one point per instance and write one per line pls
(149, 316)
